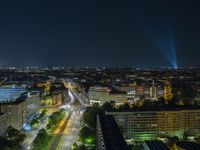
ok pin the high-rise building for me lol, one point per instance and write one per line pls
(32, 104)
(21, 107)
(15, 112)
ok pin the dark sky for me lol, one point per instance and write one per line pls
(132, 33)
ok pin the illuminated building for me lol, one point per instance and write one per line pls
(148, 124)
(20, 107)
(46, 84)
(57, 98)
(3, 124)
(140, 91)
(168, 92)
(103, 94)
(52, 100)
(32, 104)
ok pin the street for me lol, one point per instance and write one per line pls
(31, 135)
(71, 131)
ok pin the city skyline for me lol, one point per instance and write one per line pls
(134, 34)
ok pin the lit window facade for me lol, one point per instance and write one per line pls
(149, 125)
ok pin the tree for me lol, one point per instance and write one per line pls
(125, 106)
(82, 147)
(35, 122)
(107, 106)
(14, 138)
(43, 113)
(41, 140)
(173, 140)
(87, 135)
(161, 101)
(185, 136)
(74, 146)
(89, 117)
(54, 119)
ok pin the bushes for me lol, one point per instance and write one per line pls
(87, 135)
(54, 119)
(35, 123)
(43, 113)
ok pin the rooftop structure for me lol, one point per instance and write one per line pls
(10, 94)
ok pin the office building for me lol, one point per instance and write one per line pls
(104, 94)
(15, 112)
(21, 107)
(32, 104)
(143, 124)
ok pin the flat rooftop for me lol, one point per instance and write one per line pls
(189, 145)
(160, 108)
(113, 138)
(156, 145)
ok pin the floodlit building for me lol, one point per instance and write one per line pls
(148, 124)
(104, 94)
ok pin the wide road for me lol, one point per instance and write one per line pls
(60, 133)
(72, 130)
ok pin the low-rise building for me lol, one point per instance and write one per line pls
(104, 94)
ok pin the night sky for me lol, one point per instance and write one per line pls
(114, 33)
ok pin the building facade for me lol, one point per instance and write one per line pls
(140, 125)
(3, 124)
(22, 110)
(15, 113)
(103, 94)
(32, 104)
